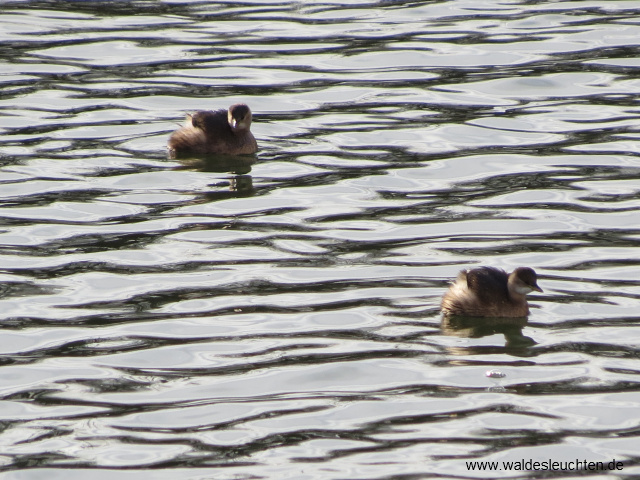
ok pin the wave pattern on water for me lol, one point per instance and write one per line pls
(280, 318)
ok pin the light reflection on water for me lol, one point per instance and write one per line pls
(280, 318)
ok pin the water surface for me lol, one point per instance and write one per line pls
(187, 320)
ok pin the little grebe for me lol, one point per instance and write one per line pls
(490, 292)
(223, 132)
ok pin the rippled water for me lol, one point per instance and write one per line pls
(191, 320)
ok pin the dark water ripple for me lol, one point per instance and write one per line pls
(202, 318)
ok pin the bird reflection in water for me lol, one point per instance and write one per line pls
(478, 327)
(238, 166)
